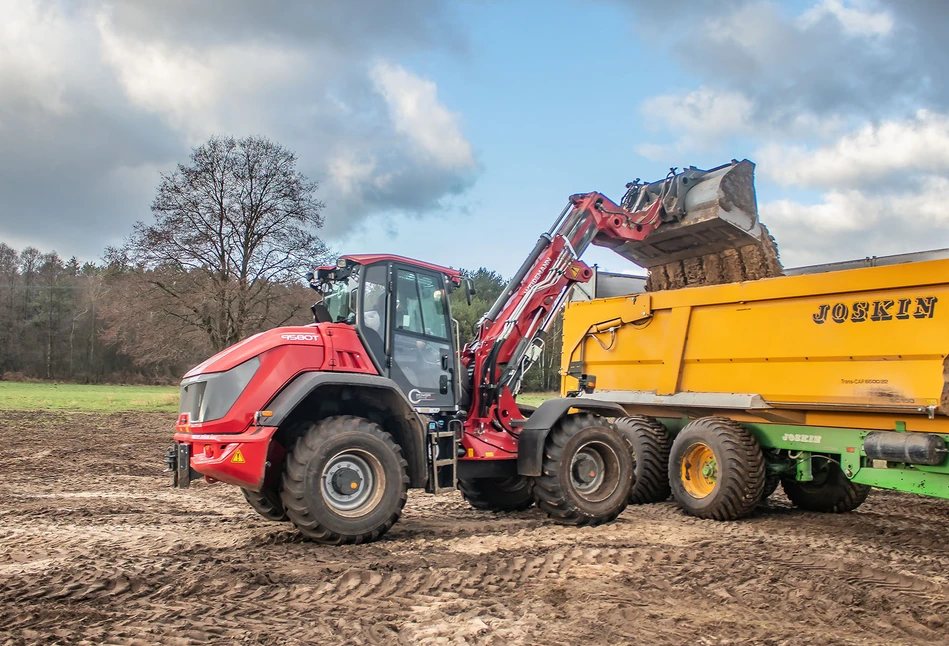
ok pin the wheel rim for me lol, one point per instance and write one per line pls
(594, 471)
(699, 470)
(352, 483)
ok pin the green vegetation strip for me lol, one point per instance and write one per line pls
(44, 396)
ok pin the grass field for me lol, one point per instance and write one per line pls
(535, 399)
(31, 396)
(40, 396)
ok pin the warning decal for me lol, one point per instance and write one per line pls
(238, 457)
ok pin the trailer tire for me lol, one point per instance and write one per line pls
(267, 503)
(498, 494)
(832, 492)
(651, 443)
(587, 472)
(345, 481)
(770, 486)
(716, 469)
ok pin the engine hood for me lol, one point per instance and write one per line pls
(307, 335)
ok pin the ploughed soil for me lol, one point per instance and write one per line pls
(751, 262)
(95, 548)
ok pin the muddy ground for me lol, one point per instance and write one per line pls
(96, 548)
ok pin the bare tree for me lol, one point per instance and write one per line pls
(233, 229)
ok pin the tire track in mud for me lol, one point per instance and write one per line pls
(122, 559)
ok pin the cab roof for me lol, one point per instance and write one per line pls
(370, 258)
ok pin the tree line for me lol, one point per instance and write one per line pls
(101, 323)
(234, 230)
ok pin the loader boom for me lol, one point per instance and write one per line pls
(719, 203)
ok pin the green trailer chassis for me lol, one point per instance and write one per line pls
(791, 451)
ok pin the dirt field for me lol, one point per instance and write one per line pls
(96, 548)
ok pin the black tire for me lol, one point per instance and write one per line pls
(331, 456)
(498, 494)
(651, 443)
(734, 482)
(771, 483)
(829, 492)
(267, 503)
(574, 443)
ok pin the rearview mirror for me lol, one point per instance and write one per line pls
(469, 291)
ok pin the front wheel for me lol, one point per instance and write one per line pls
(345, 481)
(587, 472)
(497, 494)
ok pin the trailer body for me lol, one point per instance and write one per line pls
(846, 364)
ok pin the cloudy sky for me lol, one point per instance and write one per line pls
(454, 131)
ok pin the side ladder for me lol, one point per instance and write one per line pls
(443, 456)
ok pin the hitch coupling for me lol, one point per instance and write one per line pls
(178, 462)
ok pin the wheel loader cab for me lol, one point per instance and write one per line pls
(402, 315)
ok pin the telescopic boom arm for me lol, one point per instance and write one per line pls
(707, 211)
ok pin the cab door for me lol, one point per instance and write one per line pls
(422, 358)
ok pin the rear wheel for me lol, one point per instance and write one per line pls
(267, 503)
(587, 472)
(830, 491)
(498, 494)
(650, 443)
(716, 469)
(771, 483)
(345, 481)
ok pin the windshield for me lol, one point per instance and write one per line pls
(341, 300)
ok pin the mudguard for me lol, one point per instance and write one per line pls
(533, 435)
(411, 429)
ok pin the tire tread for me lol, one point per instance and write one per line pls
(294, 479)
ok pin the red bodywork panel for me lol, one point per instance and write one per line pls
(370, 258)
(284, 353)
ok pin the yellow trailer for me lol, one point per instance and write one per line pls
(829, 381)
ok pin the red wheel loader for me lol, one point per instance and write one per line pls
(328, 425)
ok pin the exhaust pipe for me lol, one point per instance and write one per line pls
(703, 212)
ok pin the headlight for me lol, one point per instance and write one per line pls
(208, 397)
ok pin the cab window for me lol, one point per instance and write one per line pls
(420, 306)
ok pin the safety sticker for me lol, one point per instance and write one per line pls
(238, 457)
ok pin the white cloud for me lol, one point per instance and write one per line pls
(850, 224)
(187, 85)
(349, 174)
(416, 112)
(40, 54)
(696, 119)
(97, 96)
(855, 17)
(872, 154)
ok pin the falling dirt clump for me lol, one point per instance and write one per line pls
(751, 262)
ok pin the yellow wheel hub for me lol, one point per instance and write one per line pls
(699, 470)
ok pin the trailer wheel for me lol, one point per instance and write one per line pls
(716, 469)
(830, 491)
(587, 472)
(267, 503)
(651, 444)
(345, 481)
(770, 486)
(498, 494)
